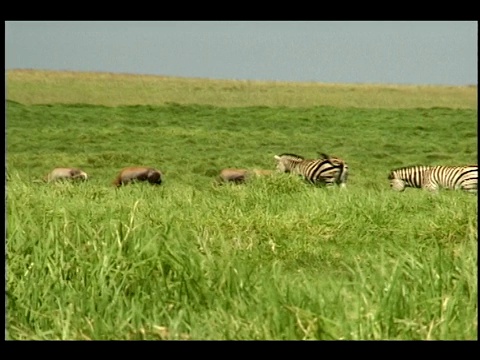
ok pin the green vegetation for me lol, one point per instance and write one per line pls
(51, 87)
(275, 258)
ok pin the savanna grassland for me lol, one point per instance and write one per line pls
(274, 258)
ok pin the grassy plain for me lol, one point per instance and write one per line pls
(272, 259)
(63, 87)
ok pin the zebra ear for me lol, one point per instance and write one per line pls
(277, 157)
(324, 156)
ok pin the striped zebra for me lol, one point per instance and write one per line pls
(324, 171)
(432, 178)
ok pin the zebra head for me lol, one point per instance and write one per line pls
(409, 176)
(396, 181)
(286, 162)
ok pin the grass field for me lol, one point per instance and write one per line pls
(271, 259)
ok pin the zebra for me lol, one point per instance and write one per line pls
(324, 171)
(432, 178)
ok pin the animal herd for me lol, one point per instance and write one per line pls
(325, 170)
(125, 176)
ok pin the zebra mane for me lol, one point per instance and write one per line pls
(332, 160)
(294, 156)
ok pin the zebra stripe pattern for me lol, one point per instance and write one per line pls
(432, 178)
(325, 171)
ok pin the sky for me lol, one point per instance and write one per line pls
(383, 52)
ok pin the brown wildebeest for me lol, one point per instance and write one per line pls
(66, 174)
(138, 173)
(239, 176)
(236, 176)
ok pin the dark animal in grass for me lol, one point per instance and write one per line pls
(66, 174)
(138, 173)
(239, 176)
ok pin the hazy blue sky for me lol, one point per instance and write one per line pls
(407, 52)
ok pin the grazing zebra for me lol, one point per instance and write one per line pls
(139, 173)
(66, 174)
(431, 178)
(325, 171)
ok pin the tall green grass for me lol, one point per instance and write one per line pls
(275, 258)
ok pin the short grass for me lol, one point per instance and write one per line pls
(272, 259)
(53, 87)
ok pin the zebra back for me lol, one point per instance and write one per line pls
(328, 170)
(452, 178)
(432, 178)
